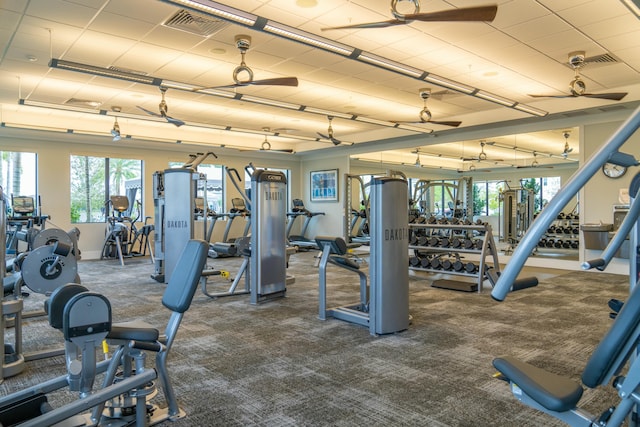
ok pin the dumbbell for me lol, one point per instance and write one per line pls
(432, 220)
(551, 230)
(561, 215)
(468, 244)
(566, 244)
(423, 240)
(557, 243)
(575, 244)
(478, 243)
(455, 242)
(445, 242)
(549, 243)
(542, 242)
(454, 221)
(413, 240)
(575, 230)
(470, 267)
(433, 241)
(458, 265)
(420, 220)
(435, 263)
(446, 264)
(425, 262)
(414, 261)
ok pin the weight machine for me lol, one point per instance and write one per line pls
(174, 200)
(615, 360)
(517, 207)
(384, 303)
(128, 387)
(265, 252)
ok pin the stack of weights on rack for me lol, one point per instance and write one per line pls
(563, 233)
(442, 245)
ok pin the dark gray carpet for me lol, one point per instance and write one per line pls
(276, 364)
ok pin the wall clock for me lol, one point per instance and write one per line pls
(613, 171)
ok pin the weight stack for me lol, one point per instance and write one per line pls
(389, 281)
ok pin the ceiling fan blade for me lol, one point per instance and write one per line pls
(552, 96)
(613, 96)
(174, 121)
(445, 123)
(479, 13)
(330, 138)
(381, 24)
(277, 81)
(149, 112)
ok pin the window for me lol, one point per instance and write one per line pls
(95, 179)
(486, 193)
(18, 175)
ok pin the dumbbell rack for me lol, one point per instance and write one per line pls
(483, 245)
(562, 234)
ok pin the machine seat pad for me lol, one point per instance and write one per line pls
(344, 261)
(137, 330)
(552, 391)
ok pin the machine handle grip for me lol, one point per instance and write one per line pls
(234, 170)
(147, 346)
(598, 263)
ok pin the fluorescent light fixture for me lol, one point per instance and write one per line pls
(217, 9)
(531, 110)
(633, 6)
(218, 93)
(389, 64)
(449, 84)
(103, 72)
(374, 121)
(178, 85)
(63, 107)
(307, 38)
(270, 102)
(327, 113)
(414, 128)
(495, 98)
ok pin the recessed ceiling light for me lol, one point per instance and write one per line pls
(32, 58)
(306, 3)
(217, 51)
(490, 74)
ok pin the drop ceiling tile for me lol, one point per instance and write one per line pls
(62, 11)
(614, 26)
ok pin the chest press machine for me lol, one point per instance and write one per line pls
(384, 303)
(615, 360)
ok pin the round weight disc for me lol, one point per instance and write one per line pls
(36, 276)
(50, 236)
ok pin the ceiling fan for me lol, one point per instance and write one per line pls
(243, 42)
(425, 114)
(567, 149)
(534, 163)
(479, 13)
(577, 86)
(266, 145)
(330, 133)
(482, 156)
(164, 109)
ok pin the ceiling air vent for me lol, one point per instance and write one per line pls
(600, 60)
(192, 23)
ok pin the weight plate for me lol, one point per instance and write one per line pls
(50, 236)
(38, 279)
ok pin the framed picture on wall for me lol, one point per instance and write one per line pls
(324, 185)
